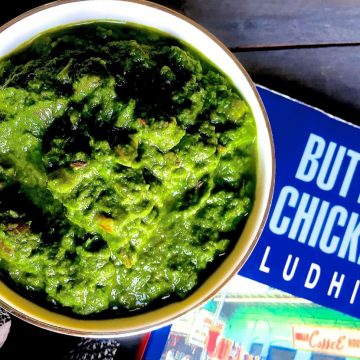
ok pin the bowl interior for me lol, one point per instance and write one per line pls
(50, 16)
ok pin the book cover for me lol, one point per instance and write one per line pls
(310, 244)
(309, 248)
(248, 320)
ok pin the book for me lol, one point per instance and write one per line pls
(248, 320)
(309, 247)
(310, 244)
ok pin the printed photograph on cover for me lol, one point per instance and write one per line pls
(251, 321)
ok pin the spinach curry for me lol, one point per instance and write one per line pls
(127, 167)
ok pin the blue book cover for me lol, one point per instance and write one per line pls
(310, 244)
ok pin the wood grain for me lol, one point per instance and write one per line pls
(327, 78)
(254, 23)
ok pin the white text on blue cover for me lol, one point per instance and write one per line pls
(316, 222)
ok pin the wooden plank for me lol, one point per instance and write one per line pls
(327, 78)
(254, 23)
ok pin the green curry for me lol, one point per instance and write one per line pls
(127, 167)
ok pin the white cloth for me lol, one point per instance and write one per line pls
(5, 323)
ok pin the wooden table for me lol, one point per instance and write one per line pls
(307, 49)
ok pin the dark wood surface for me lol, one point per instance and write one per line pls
(276, 23)
(325, 77)
(308, 49)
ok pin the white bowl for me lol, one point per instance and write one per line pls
(30, 24)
